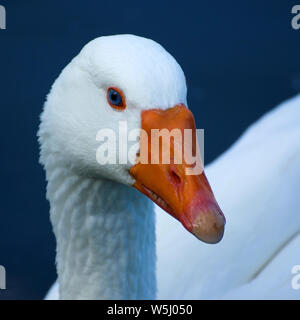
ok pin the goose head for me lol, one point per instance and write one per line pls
(132, 83)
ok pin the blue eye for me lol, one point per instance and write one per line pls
(116, 98)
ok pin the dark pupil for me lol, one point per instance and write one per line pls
(115, 97)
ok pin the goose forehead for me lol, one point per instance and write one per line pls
(144, 70)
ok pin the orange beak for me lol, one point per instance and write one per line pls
(187, 198)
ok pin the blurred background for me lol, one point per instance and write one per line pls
(241, 58)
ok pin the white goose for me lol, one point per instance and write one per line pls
(105, 229)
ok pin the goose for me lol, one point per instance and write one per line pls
(255, 181)
(102, 212)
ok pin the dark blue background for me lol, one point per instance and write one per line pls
(241, 58)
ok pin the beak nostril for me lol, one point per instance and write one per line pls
(175, 177)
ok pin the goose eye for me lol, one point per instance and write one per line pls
(116, 98)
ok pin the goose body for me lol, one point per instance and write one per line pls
(105, 230)
(257, 184)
